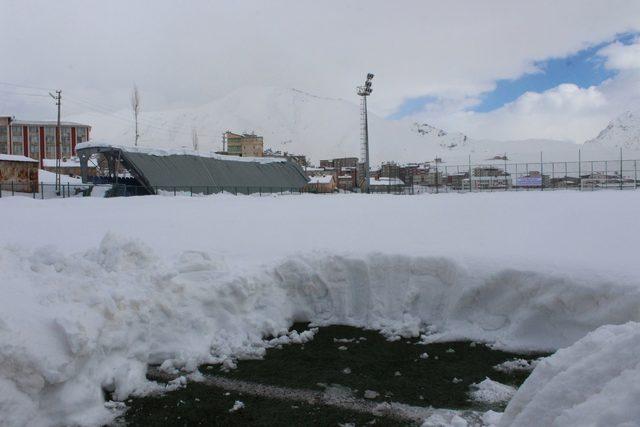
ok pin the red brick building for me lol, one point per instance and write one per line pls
(37, 139)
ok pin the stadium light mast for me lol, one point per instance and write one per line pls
(365, 91)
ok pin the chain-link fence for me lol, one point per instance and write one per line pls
(492, 176)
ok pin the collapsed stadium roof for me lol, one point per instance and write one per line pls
(185, 169)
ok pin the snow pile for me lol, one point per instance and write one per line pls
(47, 177)
(490, 391)
(73, 325)
(596, 382)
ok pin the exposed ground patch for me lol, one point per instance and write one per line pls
(345, 375)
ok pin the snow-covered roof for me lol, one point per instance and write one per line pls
(15, 158)
(68, 163)
(322, 179)
(44, 123)
(385, 181)
(178, 151)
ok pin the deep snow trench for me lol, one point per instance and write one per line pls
(204, 280)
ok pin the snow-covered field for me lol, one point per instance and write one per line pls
(94, 290)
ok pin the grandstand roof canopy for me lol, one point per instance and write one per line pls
(183, 169)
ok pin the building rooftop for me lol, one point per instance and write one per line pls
(385, 181)
(44, 123)
(15, 158)
(322, 179)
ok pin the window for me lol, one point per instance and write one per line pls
(16, 140)
(65, 144)
(50, 141)
(81, 135)
(4, 140)
(34, 142)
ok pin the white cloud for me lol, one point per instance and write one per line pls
(622, 57)
(563, 112)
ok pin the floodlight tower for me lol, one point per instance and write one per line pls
(365, 91)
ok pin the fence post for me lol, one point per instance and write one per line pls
(68, 189)
(580, 169)
(191, 191)
(621, 177)
(635, 174)
(12, 189)
(541, 173)
(174, 190)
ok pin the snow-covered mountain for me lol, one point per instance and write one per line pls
(289, 119)
(622, 132)
(319, 127)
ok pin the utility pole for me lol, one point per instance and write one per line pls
(365, 91)
(58, 98)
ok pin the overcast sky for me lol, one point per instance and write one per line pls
(472, 66)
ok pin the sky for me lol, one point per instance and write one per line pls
(500, 69)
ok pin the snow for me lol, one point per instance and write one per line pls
(517, 365)
(384, 181)
(323, 179)
(593, 382)
(300, 120)
(489, 391)
(178, 151)
(47, 177)
(64, 163)
(622, 132)
(119, 283)
(237, 405)
(16, 158)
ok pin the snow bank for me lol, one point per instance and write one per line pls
(89, 315)
(74, 325)
(593, 382)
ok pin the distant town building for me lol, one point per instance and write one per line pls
(390, 170)
(37, 139)
(300, 159)
(321, 184)
(339, 163)
(18, 173)
(245, 145)
(488, 171)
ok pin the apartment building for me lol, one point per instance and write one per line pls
(37, 139)
(245, 145)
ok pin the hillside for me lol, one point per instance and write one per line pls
(299, 122)
(289, 119)
(622, 132)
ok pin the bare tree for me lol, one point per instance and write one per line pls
(135, 105)
(194, 139)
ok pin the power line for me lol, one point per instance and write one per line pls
(153, 126)
(23, 94)
(25, 86)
